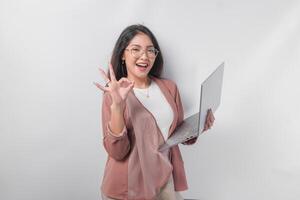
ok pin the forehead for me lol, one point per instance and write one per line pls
(141, 39)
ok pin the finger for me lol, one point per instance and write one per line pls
(211, 124)
(211, 120)
(211, 116)
(208, 114)
(128, 89)
(207, 119)
(208, 125)
(112, 73)
(103, 74)
(100, 87)
(126, 80)
(208, 111)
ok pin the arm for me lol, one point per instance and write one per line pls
(115, 138)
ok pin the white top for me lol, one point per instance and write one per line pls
(158, 105)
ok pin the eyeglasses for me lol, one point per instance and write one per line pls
(138, 52)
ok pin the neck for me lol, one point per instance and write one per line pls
(140, 82)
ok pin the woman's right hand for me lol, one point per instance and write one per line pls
(118, 90)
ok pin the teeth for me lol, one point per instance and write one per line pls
(142, 65)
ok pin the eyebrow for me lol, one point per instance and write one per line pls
(140, 45)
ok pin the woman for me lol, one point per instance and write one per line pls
(140, 111)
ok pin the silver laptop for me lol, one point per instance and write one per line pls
(193, 126)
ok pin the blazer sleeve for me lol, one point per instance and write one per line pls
(117, 147)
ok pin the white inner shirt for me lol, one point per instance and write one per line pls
(158, 105)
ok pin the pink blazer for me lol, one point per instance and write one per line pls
(135, 169)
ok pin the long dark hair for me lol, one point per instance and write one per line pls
(127, 34)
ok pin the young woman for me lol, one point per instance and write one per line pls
(140, 111)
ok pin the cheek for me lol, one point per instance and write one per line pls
(130, 61)
(152, 63)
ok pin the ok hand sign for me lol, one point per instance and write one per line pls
(118, 90)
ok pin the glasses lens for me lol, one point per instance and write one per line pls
(151, 52)
(137, 53)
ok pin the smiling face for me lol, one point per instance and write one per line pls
(138, 67)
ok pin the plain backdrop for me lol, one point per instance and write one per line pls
(50, 128)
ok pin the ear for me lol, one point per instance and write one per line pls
(123, 59)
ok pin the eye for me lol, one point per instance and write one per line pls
(135, 49)
(151, 51)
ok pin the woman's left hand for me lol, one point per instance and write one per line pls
(208, 124)
(209, 120)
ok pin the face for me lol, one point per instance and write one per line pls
(138, 56)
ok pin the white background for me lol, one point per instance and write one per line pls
(50, 130)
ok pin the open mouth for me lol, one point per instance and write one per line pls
(143, 65)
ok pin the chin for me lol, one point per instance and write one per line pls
(142, 75)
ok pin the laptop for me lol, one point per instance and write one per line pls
(210, 97)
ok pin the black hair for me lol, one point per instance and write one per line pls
(126, 36)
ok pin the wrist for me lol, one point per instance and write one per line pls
(117, 107)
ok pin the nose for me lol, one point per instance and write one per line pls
(144, 55)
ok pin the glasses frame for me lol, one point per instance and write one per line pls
(144, 52)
